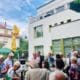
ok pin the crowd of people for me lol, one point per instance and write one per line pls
(8, 68)
(50, 67)
(54, 67)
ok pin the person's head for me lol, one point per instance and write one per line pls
(59, 75)
(34, 55)
(73, 49)
(32, 64)
(11, 55)
(38, 53)
(16, 65)
(45, 64)
(58, 56)
(73, 60)
(49, 54)
(1, 59)
(75, 53)
(62, 55)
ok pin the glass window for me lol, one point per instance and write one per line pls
(67, 45)
(67, 42)
(38, 31)
(39, 48)
(56, 46)
(59, 9)
(49, 13)
(69, 20)
(76, 43)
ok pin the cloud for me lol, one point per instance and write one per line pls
(18, 11)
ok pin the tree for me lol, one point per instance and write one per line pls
(23, 44)
(77, 1)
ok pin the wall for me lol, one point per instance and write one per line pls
(63, 31)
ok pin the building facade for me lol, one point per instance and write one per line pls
(6, 36)
(55, 28)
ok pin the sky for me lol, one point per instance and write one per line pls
(17, 12)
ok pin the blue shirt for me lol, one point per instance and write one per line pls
(2, 67)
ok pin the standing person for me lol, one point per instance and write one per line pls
(9, 60)
(59, 62)
(34, 56)
(45, 64)
(3, 68)
(73, 69)
(36, 73)
(12, 71)
(72, 53)
(50, 59)
(39, 58)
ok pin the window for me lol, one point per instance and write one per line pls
(56, 46)
(38, 31)
(71, 42)
(62, 22)
(39, 48)
(76, 43)
(69, 20)
(41, 17)
(49, 13)
(55, 24)
(59, 9)
(67, 45)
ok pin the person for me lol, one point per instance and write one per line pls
(58, 75)
(3, 68)
(50, 59)
(59, 62)
(45, 64)
(36, 73)
(34, 56)
(9, 60)
(73, 69)
(39, 58)
(12, 71)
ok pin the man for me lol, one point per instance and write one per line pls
(35, 73)
(12, 71)
(39, 58)
(9, 60)
(50, 59)
(3, 68)
(58, 75)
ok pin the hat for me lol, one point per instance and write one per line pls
(11, 54)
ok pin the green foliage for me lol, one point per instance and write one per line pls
(23, 44)
(77, 1)
(23, 48)
(1, 45)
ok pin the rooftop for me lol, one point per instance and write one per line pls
(4, 26)
(46, 4)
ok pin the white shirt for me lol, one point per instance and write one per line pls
(8, 62)
(10, 72)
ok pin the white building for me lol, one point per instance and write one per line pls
(6, 37)
(56, 27)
